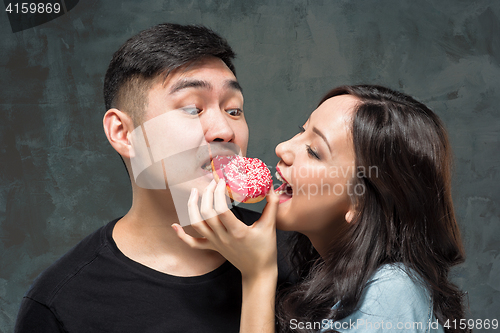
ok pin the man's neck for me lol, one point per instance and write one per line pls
(145, 235)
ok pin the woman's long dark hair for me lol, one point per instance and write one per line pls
(405, 214)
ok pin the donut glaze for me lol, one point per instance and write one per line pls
(247, 179)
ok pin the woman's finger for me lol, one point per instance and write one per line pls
(220, 203)
(214, 222)
(207, 201)
(195, 243)
(197, 221)
(228, 220)
(268, 217)
(193, 211)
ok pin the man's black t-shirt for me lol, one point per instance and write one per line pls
(96, 288)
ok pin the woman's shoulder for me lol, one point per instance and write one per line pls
(398, 282)
(395, 298)
(397, 274)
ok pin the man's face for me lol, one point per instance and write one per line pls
(196, 107)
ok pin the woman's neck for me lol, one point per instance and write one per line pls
(324, 240)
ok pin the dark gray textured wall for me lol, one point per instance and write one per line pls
(60, 180)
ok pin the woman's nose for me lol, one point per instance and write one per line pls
(285, 152)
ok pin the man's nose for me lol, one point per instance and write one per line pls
(217, 126)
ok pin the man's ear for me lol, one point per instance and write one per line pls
(118, 126)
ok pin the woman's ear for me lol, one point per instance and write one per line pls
(349, 216)
(118, 126)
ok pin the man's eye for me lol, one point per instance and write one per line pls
(192, 110)
(234, 112)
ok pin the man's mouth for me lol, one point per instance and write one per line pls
(285, 191)
(217, 149)
(207, 167)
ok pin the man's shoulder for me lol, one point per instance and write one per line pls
(51, 280)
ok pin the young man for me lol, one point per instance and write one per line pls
(170, 93)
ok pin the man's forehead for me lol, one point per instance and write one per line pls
(204, 63)
(200, 69)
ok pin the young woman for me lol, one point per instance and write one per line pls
(367, 188)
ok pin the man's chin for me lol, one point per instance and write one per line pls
(185, 188)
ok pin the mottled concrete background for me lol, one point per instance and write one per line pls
(60, 179)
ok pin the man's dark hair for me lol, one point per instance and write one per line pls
(156, 52)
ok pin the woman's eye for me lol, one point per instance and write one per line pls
(234, 112)
(302, 129)
(192, 110)
(312, 153)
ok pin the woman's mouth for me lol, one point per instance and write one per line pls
(285, 191)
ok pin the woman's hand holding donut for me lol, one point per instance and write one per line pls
(251, 249)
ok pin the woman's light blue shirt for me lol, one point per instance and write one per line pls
(391, 302)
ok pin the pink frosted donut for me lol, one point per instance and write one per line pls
(247, 179)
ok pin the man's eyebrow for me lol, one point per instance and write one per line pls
(233, 85)
(317, 131)
(187, 83)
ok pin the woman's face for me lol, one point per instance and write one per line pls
(318, 168)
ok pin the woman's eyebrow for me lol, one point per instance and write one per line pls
(318, 132)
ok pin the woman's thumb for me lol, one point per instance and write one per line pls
(271, 208)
